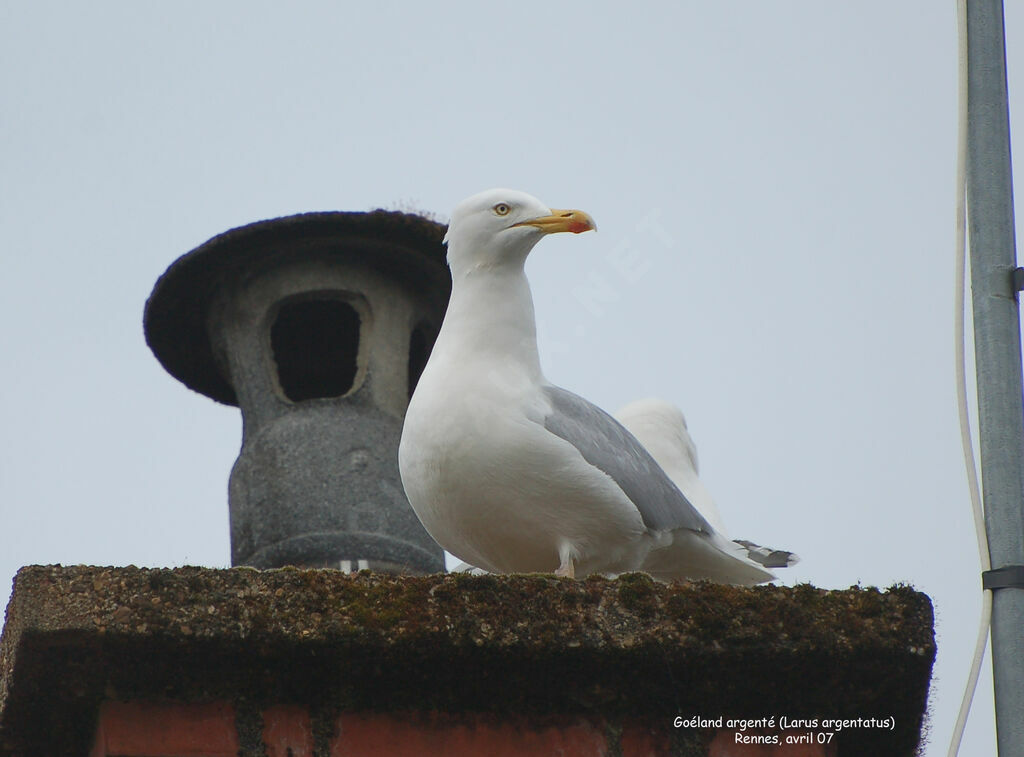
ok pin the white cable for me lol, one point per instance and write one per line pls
(960, 311)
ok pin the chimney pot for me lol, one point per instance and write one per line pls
(317, 326)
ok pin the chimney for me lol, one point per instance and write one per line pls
(317, 326)
(242, 663)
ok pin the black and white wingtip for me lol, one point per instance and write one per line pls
(768, 557)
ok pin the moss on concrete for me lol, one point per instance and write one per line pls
(524, 644)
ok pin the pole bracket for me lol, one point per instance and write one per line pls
(1007, 577)
(1018, 280)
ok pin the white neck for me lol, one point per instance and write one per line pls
(490, 320)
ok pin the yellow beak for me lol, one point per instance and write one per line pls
(575, 221)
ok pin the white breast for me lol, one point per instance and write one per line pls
(496, 489)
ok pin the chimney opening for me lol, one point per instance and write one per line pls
(315, 343)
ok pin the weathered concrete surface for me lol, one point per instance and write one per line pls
(527, 644)
(405, 247)
(359, 299)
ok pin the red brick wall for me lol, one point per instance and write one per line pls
(145, 729)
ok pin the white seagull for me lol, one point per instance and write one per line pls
(661, 428)
(513, 474)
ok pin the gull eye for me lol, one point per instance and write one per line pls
(502, 209)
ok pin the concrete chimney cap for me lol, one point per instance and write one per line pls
(403, 245)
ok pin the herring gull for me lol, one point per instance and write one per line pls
(513, 474)
(661, 428)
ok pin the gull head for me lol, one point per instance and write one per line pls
(500, 227)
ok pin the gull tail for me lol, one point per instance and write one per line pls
(768, 557)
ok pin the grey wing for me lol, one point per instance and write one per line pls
(606, 444)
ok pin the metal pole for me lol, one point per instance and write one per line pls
(997, 352)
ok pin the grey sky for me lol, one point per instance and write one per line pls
(773, 184)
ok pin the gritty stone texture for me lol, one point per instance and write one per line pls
(316, 482)
(403, 246)
(321, 485)
(516, 645)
